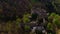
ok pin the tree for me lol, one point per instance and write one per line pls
(56, 21)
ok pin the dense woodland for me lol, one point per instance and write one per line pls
(15, 16)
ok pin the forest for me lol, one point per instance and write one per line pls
(29, 16)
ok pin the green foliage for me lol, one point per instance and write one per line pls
(26, 18)
(27, 27)
(51, 17)
(55, 19)
(18, 20)
(49, 26)
(52, 14)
